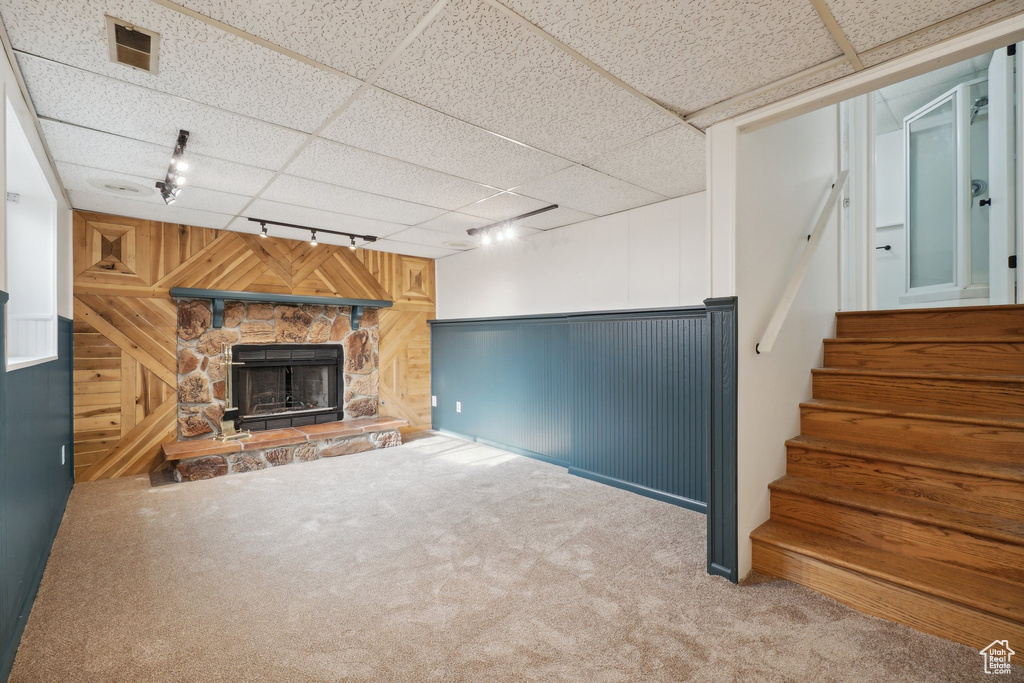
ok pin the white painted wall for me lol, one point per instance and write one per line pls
(890, 202)
(11, 93)
(782, 176)
(648, 257)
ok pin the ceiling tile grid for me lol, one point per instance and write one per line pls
(984, 15)
(409, 249)
(869, 23)
(358, 169)
(422, 136)
(87, 147)
(455, 223)
(688, 56)
(102, 203)
(353, 36)
(102, 103)
(195, 61)
(670, 163)
(590, 191)
(556, 218)
(317, 218)
(502, 206)
(290, 189)
(481, 66)
(77, 178)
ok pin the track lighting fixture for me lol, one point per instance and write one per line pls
(504, 230)
(170, 186)
(313, 231)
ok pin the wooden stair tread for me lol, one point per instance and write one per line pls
(974, 523)
(925, 340)
(932, 310)
(973, 589)
(980, 468)
(929, 414)
(921, 374)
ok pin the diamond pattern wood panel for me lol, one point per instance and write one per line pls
(125, 324)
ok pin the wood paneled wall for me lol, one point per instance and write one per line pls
(125, 323)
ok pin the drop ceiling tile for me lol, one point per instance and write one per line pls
(85, 99)
(670, 163)
(315, 218)
(728, 110)
(688, 56)
(868, 23)
(396, 127)
(455, 223)
(986, 14)
(358, 169)
(556, 218)
(885, 122)
(87, 147)
(479, 65)
(407, 249)
(103, 203)
(503, 206)
(352, 36)
(195, 60)
(587, 190)
(432, 238)
(78, 178)
(316, 195)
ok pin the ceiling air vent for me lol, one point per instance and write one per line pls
(132, 46)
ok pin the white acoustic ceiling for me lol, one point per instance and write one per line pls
(416, 120)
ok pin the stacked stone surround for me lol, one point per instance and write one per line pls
(205, 459)
(202, 386)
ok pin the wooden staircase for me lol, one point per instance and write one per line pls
(904, 493)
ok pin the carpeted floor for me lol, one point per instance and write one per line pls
(439, 560)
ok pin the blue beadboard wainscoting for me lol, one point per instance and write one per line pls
(641, 400)
(35, 422)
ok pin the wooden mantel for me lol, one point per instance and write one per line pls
(219, 296)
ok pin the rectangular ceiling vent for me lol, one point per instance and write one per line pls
(132, 45)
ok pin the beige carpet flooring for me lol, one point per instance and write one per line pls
(439, 560)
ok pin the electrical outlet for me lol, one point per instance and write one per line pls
(433, 401)
(63, 457)
(458, 406)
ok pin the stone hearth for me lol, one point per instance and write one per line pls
(202, 386)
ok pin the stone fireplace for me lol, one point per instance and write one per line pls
(308, 366)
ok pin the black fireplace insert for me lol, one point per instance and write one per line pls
(286, 385)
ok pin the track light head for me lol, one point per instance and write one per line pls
(486, 238)
(312, 238)
(263, 230)
(352, 244)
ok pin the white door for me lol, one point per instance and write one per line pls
(1001, 210)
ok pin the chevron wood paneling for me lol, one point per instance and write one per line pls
(125, 323)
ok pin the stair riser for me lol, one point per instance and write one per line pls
(986, 442)
(962, 491)
(944, 323)
(1004, 358)
(886, 600)
(901, 536)
(991, 398)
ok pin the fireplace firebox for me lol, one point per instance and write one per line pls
(286, 385)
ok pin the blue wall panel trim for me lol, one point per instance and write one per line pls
(722, 361)
(689, 503)
(36, 419)
(616, 396)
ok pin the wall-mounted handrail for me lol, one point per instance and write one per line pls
(771, 332)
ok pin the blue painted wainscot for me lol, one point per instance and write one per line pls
(35, 421)
(641, 400)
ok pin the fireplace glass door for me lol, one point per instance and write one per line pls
(278, 385)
